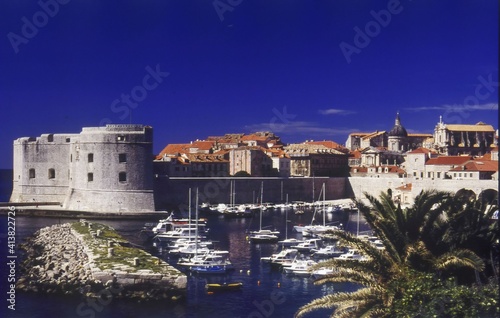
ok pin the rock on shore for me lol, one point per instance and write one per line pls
(61, 260)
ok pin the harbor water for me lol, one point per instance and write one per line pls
(266, 291)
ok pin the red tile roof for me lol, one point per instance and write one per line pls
(173, 149)
(355, 154)
(421, 150)
(478, 165)
(405, 187)
(448, 160)
(329, 144)
(253, 137)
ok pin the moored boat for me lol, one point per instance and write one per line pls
(300, 267)
(224, 286)
(283, 258)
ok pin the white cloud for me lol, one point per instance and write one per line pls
(456, 108)
(299, 128)
(334, 111)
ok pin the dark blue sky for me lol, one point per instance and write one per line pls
(254, 65)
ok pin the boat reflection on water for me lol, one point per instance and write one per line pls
(259, 280)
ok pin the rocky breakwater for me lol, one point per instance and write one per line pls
(91, 259)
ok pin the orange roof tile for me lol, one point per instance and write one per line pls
(476, 165)
(374, 134)
(202, 144)
(174, 149)
(329, 144)
(448, 160)
(421, 150)
(405, 187)
(355, 154)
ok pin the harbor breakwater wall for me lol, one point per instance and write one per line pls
(172, 193)
(94, 261)
(356, 186)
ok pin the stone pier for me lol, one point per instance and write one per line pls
(89, 258)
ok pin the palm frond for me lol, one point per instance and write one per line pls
(325, 302)
(459, 258)
(342, 275)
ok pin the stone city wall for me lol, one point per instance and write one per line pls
(172, 193)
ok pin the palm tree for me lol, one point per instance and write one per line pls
(406, 235)
(470, 226)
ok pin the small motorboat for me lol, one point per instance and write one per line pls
(209, 269)
(224, 286)
(300, 268)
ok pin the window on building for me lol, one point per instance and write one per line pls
(68, 139)
(122, 157)
(122, 177)
(438, 175)
(121, 138)
(470, 174)
(32, 173)
(90, 157)
(50, 138)
(52, 173)
(90, 177)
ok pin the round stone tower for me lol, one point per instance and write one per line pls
(397, 137)
(111, 169)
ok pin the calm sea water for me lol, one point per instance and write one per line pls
(266, 292)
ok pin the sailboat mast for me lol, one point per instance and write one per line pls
(261, 204)
(286, 218)
(231, 193)
(324, 210)
(196, 231)
(281, 199)
(189, 212)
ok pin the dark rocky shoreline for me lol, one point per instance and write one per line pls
(57, 261)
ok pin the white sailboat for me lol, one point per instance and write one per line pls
(288, 241)
(315, 230)
(263, 235)
(210, 262)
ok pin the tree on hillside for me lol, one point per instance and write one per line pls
(409, 237)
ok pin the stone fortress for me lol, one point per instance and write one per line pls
(101, 169)
(112, 169)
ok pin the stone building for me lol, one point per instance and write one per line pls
(415, 161)
(397, 139)
(308, 160)
(102, 169)
(462, 139)
(360, 140)
(250, 159)
(372, 156)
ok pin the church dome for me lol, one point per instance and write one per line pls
(398, 130)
